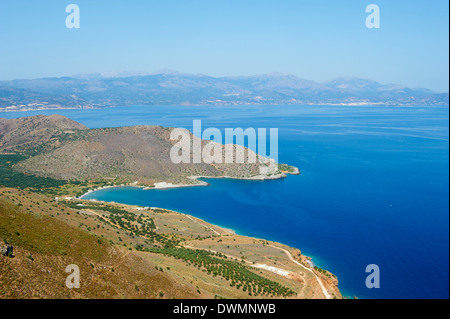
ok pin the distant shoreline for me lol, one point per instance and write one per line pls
(11, 110)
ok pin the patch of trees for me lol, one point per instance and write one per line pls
(12, 178)
(239, 275)
(323, 271)
(133, 224)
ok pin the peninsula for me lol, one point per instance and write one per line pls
(126, 251)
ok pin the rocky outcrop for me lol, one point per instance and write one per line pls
(6, 249)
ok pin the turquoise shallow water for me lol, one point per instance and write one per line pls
(373, 189)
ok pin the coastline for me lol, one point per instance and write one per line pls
(197, 179)
(15, 108)
(299, 258)
(161, 186)
(306, 260)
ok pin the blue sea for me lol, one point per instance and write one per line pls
(373, 188)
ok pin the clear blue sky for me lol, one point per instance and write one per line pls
(315, 39)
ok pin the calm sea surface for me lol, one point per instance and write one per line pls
(373, 189)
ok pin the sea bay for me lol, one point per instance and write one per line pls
(373, 187)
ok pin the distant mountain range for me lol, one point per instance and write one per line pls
(173, 88)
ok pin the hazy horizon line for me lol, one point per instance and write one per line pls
(123, 74)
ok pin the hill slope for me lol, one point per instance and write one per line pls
(65, 150)
(23, 99)
(43, 246)
(132, 252)
(29, 133)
